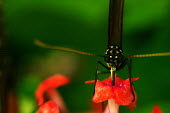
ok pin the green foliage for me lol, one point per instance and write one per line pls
(82, 25)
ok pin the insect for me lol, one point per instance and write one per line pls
(114, 58)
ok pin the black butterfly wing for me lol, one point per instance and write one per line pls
(115, 22)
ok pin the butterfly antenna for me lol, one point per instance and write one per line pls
(152, 55)
(44, 45)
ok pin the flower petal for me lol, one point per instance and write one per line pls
(51, 82)
(156, 109)
(134, 79)
(49, 107)
(102, 92)
(121, 92)
(89, 81)
(132, 105)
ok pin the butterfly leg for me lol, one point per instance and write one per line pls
(96, 76)
(99, 72)
(129, 62)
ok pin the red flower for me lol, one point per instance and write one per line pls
(121, 92)
(50, 83)
(156, 109)
(48, 107)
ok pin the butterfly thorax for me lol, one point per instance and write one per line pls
(114, 57)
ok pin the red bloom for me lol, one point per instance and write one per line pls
(156, 109)
(121, 92)
(48, 107)
(50, 83)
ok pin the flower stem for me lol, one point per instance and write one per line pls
(112, 106)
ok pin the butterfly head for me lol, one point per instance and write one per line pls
(114, 57)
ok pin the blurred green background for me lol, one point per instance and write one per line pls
(82, 25)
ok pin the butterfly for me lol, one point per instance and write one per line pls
(113, 57)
